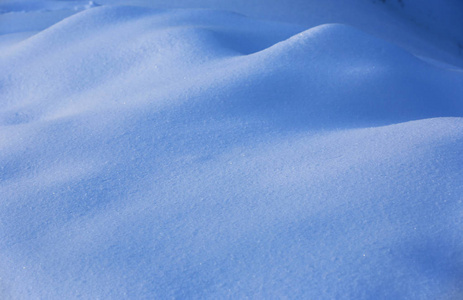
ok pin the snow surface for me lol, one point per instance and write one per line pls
(231, 149)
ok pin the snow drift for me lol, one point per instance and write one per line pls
(197, 153)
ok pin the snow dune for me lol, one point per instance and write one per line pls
(200, 153)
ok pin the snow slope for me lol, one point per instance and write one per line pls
(179, 151)
(425, 27)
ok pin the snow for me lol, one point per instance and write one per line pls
(233, 149)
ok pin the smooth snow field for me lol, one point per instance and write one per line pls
(235, 149)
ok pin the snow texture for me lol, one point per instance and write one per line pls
(200, 149)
